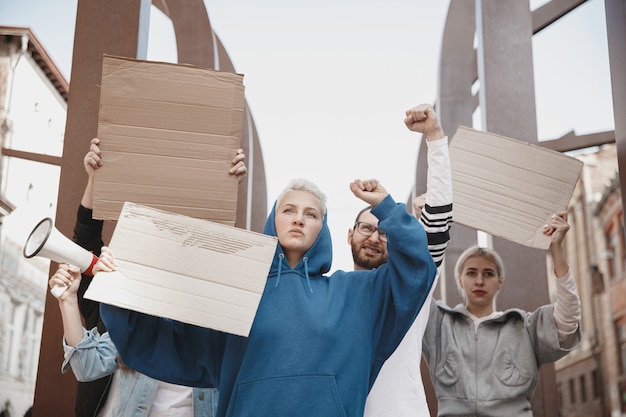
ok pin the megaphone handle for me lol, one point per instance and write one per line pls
(58, 290)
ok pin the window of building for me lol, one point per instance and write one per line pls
(622, 392)
(609, 254)
(33, 106)
(615, 247)
(621, 344)
(572, 391)
(583, 389)
(6, 334)
(620, 240)
(595, 384)
(615, 261)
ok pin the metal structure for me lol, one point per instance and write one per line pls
(119, 27)
(506, 100)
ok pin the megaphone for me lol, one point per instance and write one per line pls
(46, 241)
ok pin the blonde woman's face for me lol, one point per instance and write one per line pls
(299, 219)
(480, 282)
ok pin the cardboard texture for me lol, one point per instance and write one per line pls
(168, 135)
(191, 270)
(509, 188)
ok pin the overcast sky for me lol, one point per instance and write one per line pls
(328, 82)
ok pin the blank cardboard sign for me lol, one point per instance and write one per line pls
(168, 135)
(191, 270)
(509, 188)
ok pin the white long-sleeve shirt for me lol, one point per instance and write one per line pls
(398, 390)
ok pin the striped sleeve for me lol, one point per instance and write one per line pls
(437, 222)
(436, 215)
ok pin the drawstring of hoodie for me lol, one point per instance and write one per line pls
(306, 270)
(280, 267)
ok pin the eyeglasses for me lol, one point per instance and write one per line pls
(367, 229)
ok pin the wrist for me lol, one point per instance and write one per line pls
(434, 134)
(68, 300)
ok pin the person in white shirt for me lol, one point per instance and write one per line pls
(398, 390)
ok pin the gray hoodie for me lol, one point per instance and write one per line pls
(490, 370)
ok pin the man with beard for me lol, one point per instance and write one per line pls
(398, 389)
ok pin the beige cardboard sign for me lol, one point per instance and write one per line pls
(168, 135)
(191, 270)
(509, 188)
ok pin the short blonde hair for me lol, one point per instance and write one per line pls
(487, 253)
(301, 184)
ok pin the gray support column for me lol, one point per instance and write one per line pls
(455, 106)
(102, 27)
(616, 34)
(507, 103)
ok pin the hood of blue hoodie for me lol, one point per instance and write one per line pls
(319, 257)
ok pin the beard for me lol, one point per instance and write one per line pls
(367, 262)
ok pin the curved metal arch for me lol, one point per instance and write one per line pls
(455, 106)
(197, 44)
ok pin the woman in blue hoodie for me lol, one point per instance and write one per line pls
(317, 341)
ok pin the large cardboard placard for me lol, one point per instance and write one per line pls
(191, 270)
(509, 188)
(168, 135)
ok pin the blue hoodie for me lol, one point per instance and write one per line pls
(317, 342)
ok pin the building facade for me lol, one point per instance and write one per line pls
(591, 380)
(33, 104)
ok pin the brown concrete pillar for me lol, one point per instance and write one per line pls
(102, 27)
(119, 27)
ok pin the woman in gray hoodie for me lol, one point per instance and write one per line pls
(486, 362)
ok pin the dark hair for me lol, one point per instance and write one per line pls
(361, 212)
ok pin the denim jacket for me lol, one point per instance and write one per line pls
(95, 356)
